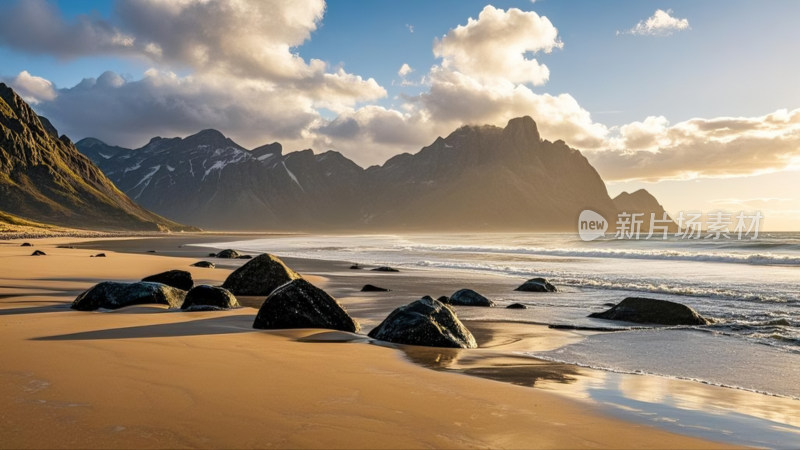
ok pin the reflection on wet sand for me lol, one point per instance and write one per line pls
(680, 405)
(494, 359)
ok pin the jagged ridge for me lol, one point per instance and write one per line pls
(479, 178)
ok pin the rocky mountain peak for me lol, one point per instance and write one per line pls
(267, 151)
(14, 109)
(523, 130)
(637, 200)
(212, 138)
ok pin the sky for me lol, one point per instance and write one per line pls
(697, 102)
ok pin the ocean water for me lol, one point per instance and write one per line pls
(751, 288)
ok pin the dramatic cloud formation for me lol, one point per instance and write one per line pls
(164, 104)
(723, 147)
(661, 23)
(245, 78)
(241, 73)
(483, 78)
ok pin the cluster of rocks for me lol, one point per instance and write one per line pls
(293, 302)
(174, 288)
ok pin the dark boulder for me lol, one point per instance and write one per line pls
(300, 304)
(244, 257)
(113, 295)
(385, 269)
(356, 267)
(425, 322)
(536, 285)
(212, 255)
(26, 244)
(444, 299)
(373, 288)
(179, 279)
(204, 264)
(468, 297)
(260, 276)
(648, 310)
(516, 306)
(209, 298)
(228, 254)
(38, 253)
(100, 255)
(151, 251)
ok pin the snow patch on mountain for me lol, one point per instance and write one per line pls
(291, 175)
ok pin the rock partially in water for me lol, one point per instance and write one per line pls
(204, 264)
(113, 295)
(516, 306)
(300, 304)
(468, 297)
(356, 267)
(648, 310)
(425, 322)
(373, 288)
(260, 276)
(385, 269)
(179, 279)
(38, 253)
(209, 298)
(26, 244)
(536, 285)
(228, 254)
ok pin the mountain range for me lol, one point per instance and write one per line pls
(478, 178)
(44, 179)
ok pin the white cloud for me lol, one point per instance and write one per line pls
(405, 69)
(33, 89)
(410, 28)
(495, 46)
(661, 23)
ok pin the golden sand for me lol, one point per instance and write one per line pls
(148, 377)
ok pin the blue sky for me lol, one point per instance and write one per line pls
(649, 109)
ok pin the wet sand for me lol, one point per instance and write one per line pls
(148, 377)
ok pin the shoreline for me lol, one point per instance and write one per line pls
(502, 362)
(390, 363)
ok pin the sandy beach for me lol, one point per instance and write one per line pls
(149, 377)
